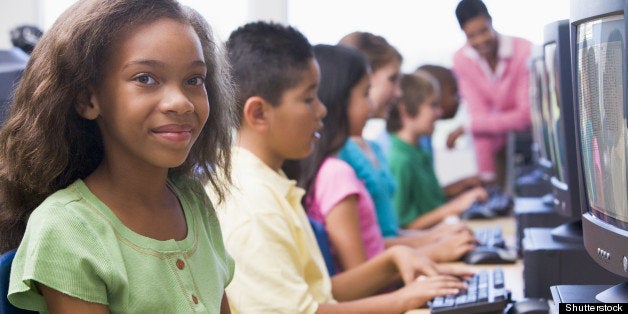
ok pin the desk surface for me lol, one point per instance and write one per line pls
(513, 273)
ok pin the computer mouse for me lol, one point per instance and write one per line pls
(477, 211)
(529, 306)
(490, 255)
(501, 205)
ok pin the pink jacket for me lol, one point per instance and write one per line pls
(498, 102)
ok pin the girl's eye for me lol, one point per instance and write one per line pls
(196, 81)
(145, 79)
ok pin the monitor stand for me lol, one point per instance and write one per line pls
(568, 232)
(548, 262)
(614, 294)
(576, 294)
(535, 212)
(532, 184)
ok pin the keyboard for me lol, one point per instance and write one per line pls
(490, 237)
(491, 248)
(486, 293)
(498, 204)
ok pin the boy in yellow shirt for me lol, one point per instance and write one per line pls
(279, 267)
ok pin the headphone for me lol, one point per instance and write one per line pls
(26, 37)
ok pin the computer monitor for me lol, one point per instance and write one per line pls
(539, 112)
(599, 60)
(566, 185)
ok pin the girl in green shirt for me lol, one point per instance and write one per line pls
(109, 134)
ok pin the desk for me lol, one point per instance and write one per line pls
(513, 273)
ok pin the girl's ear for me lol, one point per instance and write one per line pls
(87, 105)
(255, 113)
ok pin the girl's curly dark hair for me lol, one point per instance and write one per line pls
(45, 145)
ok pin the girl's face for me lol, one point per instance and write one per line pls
(386, 88)
(360, 108)
(152, 102)
(481, 36)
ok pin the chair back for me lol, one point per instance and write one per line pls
(5, 271)
(323, 244)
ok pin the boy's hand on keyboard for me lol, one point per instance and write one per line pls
(446, 228)
(411, 263)
(478, 194)
(461, 271)
(463, 201)
(424, 289)
(451, 247)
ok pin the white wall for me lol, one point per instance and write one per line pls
(424, 31)
(16, 13)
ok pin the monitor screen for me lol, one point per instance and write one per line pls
(598, 30)
(602, 117)
(538, 97)
(556, 134)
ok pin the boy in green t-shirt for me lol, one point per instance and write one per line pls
(419, 199)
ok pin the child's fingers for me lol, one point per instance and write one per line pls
(439, 286)
(456, 270)
(442, 281)
(429, 270)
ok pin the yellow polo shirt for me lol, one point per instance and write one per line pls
(278, 265)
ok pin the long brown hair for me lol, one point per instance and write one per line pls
(45, 145)
(376, 48)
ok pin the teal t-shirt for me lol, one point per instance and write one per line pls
(418, 190)
(75, 244)
(378, 181)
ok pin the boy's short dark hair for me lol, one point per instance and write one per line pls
(468, 9)
(266, 59)
(416, 88)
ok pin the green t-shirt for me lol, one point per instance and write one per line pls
(418, 190)
(75, 244)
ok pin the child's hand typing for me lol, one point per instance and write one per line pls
(411, 263)
(466, 199)
(423, 289)
(450, 248)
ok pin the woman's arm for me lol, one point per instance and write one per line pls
(58, 302)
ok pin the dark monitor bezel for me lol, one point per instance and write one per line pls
(604, 242)
(540, 151)
(567, 196)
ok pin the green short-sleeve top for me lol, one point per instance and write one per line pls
(418, 190)
(75, 244)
